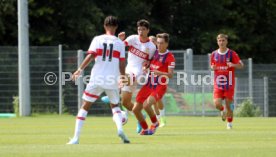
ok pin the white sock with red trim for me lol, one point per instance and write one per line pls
(79, 122)
(117, 118)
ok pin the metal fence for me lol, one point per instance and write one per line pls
(255, 81)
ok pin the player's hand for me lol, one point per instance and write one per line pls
(213, 67)
(124, 81)
(230, 64)
(76, 75)
(156, 72)
(122, 35)
(145, 70)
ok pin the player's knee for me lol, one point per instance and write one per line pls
(136, 109)
(217, 103)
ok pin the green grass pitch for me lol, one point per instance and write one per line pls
(45, 136)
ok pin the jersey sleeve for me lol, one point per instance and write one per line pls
(171, 61)
(93, 47)
(152, 52)
(236, 59)
(212, 60)
(129, 40)
(122, 52)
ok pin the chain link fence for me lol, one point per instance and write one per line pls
(194, 98)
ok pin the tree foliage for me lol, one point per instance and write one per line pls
(192, 24)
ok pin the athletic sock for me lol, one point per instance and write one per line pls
(117, 117)
(153, 119)
(162, 112)
(79, 122)
(144, 125)
(229, 119)
(222, 108)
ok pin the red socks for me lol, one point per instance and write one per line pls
(229, 119)
(153, 119)
(144, 125)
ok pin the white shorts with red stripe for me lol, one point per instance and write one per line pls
(93, 92)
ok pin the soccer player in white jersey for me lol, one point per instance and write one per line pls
(108, 51)
(141, 50)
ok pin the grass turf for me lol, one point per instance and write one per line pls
(45, 136)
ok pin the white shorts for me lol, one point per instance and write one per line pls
(93, 92)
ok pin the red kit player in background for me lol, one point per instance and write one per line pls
(224, 61)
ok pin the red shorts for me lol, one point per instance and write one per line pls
(145, 92)
(228, 94)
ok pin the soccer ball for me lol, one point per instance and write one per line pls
(105, 99)
(124, 117)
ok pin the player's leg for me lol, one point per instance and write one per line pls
(148, 108)
(114, 98)
(137, 110)
(126, 100)
(90, 95)
(230, 108)
(162, 113)
(218, 97)
(156, 110)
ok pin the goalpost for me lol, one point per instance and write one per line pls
(23, 59)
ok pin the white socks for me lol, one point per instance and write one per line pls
(79, 122)
(117, 117)
(158, 117)
(162, 112)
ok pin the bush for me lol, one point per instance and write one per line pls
(247, 109)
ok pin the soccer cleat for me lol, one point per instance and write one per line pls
(229, 126)
(162, 122)
(154, 127)
(123, 137)
(223, 115)
(146, 132)
(73, 141)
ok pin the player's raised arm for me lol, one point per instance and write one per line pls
(88, 59)
(122, 36)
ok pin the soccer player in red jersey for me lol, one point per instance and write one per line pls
(161, 68)
(159, 107)
(224, 61)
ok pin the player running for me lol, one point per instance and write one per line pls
(108, 51)
(159, 107)
(140, 51)
(161, 68)
(224, 61)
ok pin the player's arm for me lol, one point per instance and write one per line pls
(171, 66)
(236, 63)
(169, 74)
(122, 66)
(122, 36)
(212, 62)
(88, 59)
(239, 65)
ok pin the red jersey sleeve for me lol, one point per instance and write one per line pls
(171, 61)
(236, 59)
(212, 60)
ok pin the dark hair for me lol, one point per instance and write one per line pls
(144, 23)
(164, 36)
(111, 21)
